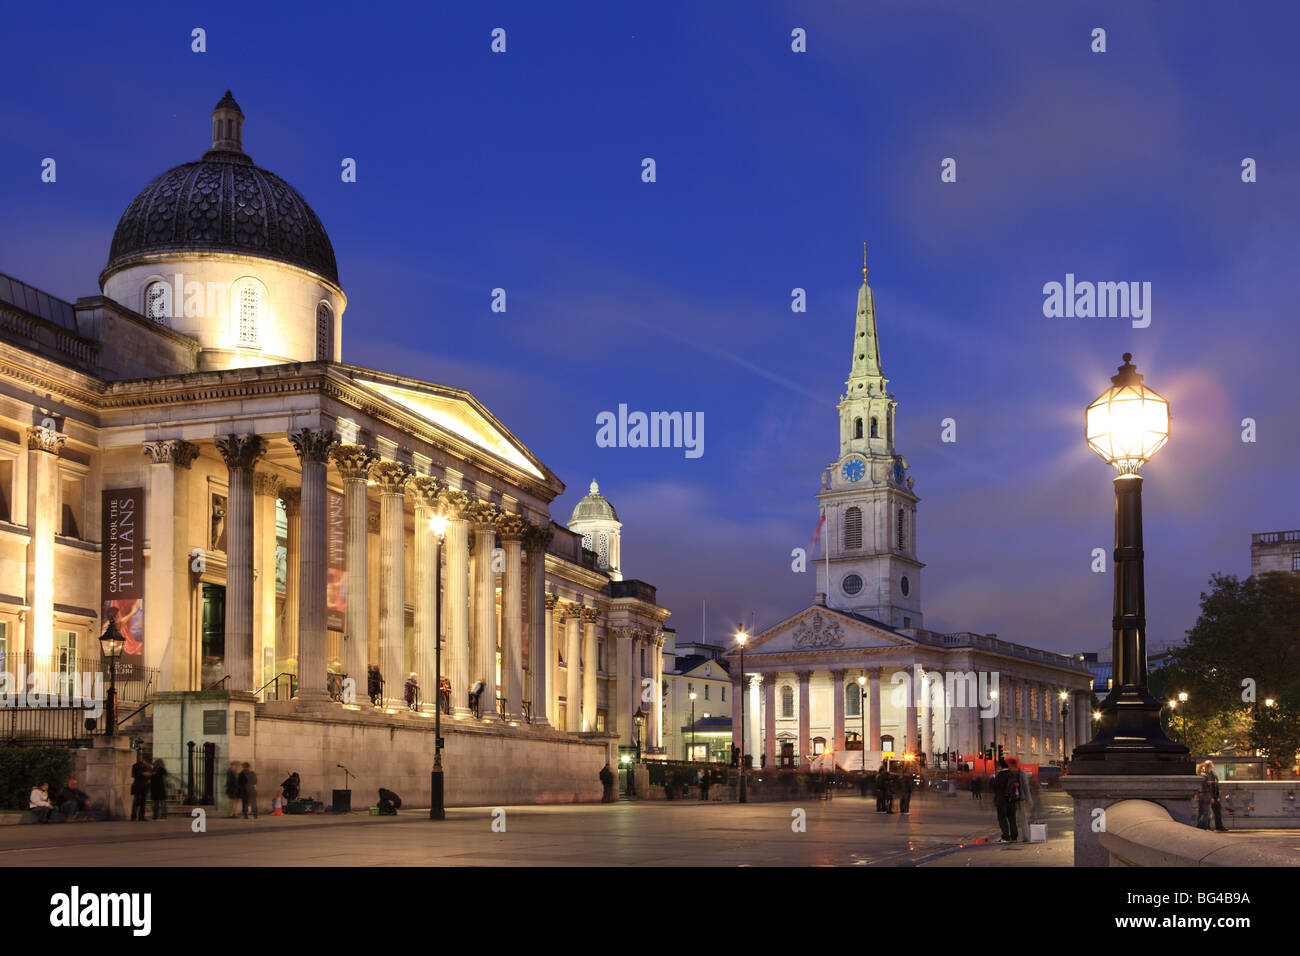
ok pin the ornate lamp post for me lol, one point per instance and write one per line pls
(741, 638)
(1065, 712)
(862, 713)
(1182, 699)
(993, 744)
(692, 757)
(1126, 425)
(110, 645)
(437, 809)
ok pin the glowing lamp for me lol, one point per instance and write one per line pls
(1128, 423)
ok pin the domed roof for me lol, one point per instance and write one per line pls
(223, 203)
(594, 505)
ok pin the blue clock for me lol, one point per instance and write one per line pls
(853, 469)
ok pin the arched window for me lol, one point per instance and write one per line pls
(248, 301)
(158, 302)
(902, 537)
(787, 701)
(324, 333)
(887, 742)
(852, 528)
(853, 700)
(819, 745)
(857, 428)
(875, 431)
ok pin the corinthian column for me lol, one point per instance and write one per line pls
(286, 652)
(456, 603)
(573, 673)
(424, 493)
(589, 617)
(266, 492)
(353, 463)
(165, 580)
(390, 479)
(512, 528)
(539, 647)
(44, 445)
(485, 519)
(804, 745)
(313, 449)
(240, 453)
(837, 711)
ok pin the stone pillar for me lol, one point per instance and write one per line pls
(805, 723)
(456, 613)
(737, 686)
(753, 705)
(573, 673)
(539, 626)
(837, 711)
(44, 446)
(168, 568)
(656, 646)
(266, 492)
(241, 452)
(390, 479)
(313, 448)
(873, 710)
(512, 530)
(554, 641)
(286, 652)
(485, 609)
(769, 720)
(353, 463)
(913, 744)
(589, 617)
(424, 493)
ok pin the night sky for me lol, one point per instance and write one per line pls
(522, 171)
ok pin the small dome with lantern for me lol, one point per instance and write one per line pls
(596, 520)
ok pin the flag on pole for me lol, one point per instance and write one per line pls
(814, 543)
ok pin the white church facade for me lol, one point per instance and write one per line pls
(855, 678)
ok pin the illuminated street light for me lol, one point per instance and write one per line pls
(437, 807)
(741, 638)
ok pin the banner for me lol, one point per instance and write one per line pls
(122, 572)
(336, 574)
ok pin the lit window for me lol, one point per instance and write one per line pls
(250, 313)
(324, 333)
(852, 529)
(158, 302)
(787, 701)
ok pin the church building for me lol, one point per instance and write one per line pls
(855, 678)
(282, 538)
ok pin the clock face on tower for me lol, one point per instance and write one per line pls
(854, 469)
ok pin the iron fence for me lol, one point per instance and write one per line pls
(44, 726)
(64, 676)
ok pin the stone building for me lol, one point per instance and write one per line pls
(855, 674)
(187, 452)
(1274, 551)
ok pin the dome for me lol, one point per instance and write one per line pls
(223, 203)
(594, 505)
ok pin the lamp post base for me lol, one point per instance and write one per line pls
(436, 809)
(1130, 740)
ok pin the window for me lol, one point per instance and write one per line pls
(1295, 562)
(857, 428)
(65, 652)
(851, 584)
(819, 745)
(70, 525)
(158, 302)
(1020, 743)
(600, 655)
(324, 333)
(787, 701)
(852, 528)
(706, 691)
(249, 302)
(643, 662)
(4, 645)
(901, 530)
(604, 551)
(887, 743)
(853, 700)
(875, 431)
(724, 693)
(852, 740)
(907, 622)
(905, 585)
(6, 493)
(1033, 745)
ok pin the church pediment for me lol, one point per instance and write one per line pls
(821, 629)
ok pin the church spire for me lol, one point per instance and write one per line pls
(866, 346)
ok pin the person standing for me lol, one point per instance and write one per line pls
(906, 784)
(705, 780)
(607, 784)
(1006, 794)
(158, 789)
(232, 788)
(412, 692)
(1024, 807)
(1208, 799)
(975, 787)
(139, 788)
(248, 789)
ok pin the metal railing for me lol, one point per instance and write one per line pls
(44, 726)
(284, 686)
(67, 675)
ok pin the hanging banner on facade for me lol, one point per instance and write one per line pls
(122, 573)
(336, 573)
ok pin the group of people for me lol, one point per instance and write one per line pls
(148, 783)
(1013, 799)
(72, 803)
(888, 784)
(241, 787)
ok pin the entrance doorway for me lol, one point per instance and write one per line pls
(213, 635)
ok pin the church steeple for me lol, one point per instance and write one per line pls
(865, 369)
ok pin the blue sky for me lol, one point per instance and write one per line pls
(522, 171)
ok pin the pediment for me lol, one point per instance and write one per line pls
(818, 628)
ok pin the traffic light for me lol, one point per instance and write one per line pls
(1000, 752)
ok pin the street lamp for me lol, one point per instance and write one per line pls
(1126, 425)
(110, 645)
(1065, 712)
(692, 757)
(993, 744)
(741, 638)
(437, 810)
(862, 712)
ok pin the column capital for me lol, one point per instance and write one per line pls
(838, 675)
(457, 504)
(569, 610)
(512, 527)
(424, 491)
(241, 451)
(267, 483)
(768, 679)
(484, 515)
(589, 614)
(40, 438)
(537, 537)
(390, 477)
(552, 602)
(353, 461)
(292, 498)
(171, 451)
(313, 444)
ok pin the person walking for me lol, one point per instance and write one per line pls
(1207, 800)
(38, 801)
(139, 788)
(232, 789)
(705, 780)
(1006, 794)
(888, 786)
(976, 786)
(1024, 807)
(607, 784)
(158, 789)
(907, 783)
(248, 790)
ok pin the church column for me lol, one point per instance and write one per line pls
(539, 626)
(353, 463)
(573, 674)
(554, 639)
(873, 710)
(737, 688)
(804, 743)
(484, 596)
(390, 478)
(266, 492)
(44, 446)
(456, 602)
(165, 578)
(769, 720)
(241, 452)
(512, 616)
(837, 711)
(753, 709)
(424, 494)
(313, 449)
(286, 649)
(589, 617)
(910, 712)
(656, 647)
